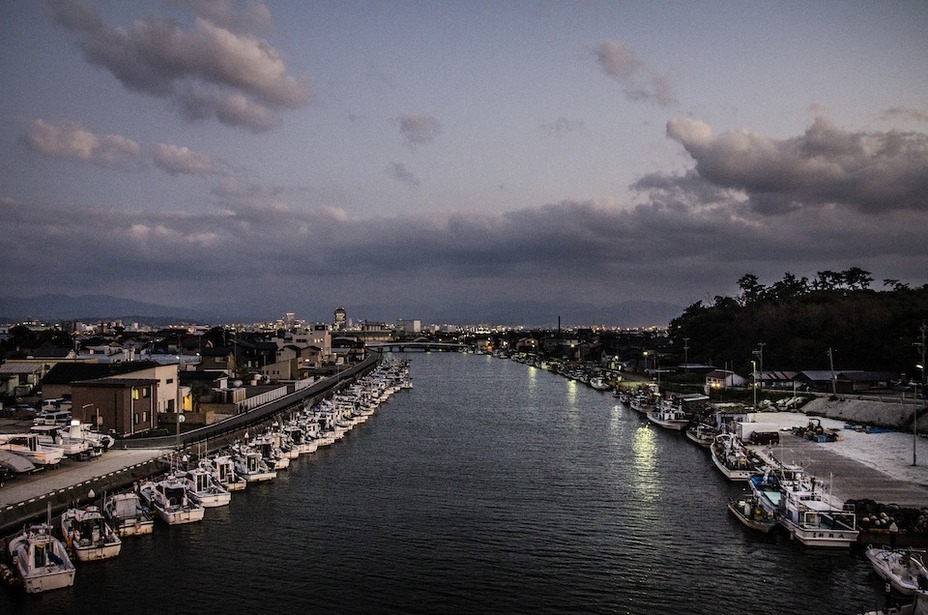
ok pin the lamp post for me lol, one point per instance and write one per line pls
(759, 353)
(921, 368)
(754, 374)
(686, 354)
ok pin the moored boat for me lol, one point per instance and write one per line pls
(168, 500)
(204, 490)
(749, 512)
(127, 515)
(88, 535)
(669, 416)
(732, 458)
(903, 569)
(815, 518)
(40, 559)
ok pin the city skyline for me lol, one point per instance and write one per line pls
(419, 156)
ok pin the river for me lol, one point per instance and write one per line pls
(490, 487)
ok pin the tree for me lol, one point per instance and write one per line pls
(752, 291)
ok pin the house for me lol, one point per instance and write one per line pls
(846, 381)
(19, 378)
(722, 379)
(776, 379)
(121, 406)
(217, 359)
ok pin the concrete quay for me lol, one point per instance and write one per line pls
(27, 498)
(846, 477)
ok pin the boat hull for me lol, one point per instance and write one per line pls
(752, 515)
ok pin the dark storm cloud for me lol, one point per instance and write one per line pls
(670, 249)
(208, 70)
(872, 172)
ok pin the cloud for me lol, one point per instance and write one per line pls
(208, 70)
(399, 172)
(872, 172)
(905, 113)
(178, 160)
(71, 141)
(562, 125)
(233, 15)
(417, 129)
(676, 246)
(639, 81)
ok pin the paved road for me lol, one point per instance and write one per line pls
(70, 473)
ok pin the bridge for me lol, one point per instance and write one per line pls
(419, 345)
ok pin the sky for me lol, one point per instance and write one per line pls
(400, 158)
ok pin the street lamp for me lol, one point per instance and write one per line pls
(686, 354)
(921, 367)
(754, 374)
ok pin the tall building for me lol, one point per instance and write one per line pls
(340, 319)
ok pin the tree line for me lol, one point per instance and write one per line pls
(806, 324)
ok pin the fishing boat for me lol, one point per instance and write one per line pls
(126, 514)
(88, 535)
(816, 518)
(40, 559)
(204, 490)
(702, 434)
(903, 569)
(749, 512)
(669, 416)
(168, 500)
(223, 471)
(250, 465)
(732, 458)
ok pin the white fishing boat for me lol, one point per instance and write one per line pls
(816, 518)
(126, 514)
(903, 569)
(669, 416)
(204, 490)
(702, 434)
(732, 458)
(223, 471)
(88, 535)
(250, 465)
(40, 559)
(168, 500)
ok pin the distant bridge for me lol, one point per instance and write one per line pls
(417, 346)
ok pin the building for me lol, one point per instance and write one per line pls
(339, 319)
(408, 327)
(722, 379)
(122, 406)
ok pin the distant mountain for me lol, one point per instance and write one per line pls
(91, 308)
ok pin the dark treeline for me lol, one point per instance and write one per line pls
(796, 322)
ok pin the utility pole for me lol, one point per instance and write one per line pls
(831, 362)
